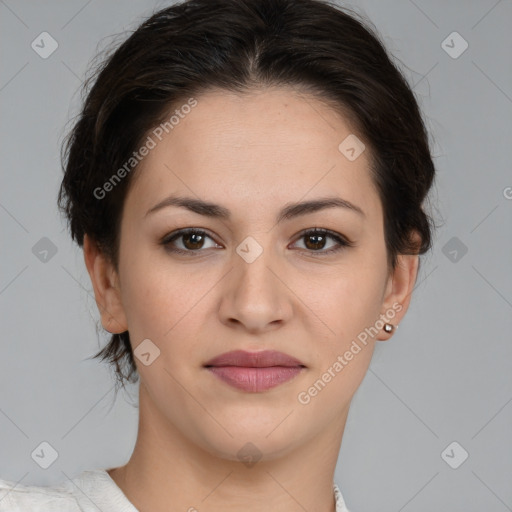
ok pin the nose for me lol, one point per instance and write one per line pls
(255, 295)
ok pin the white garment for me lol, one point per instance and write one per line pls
(90, 491)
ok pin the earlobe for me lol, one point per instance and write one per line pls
(398, 293)
(106, 287)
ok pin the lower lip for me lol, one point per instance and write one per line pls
(255, 379)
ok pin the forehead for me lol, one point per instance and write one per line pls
(276, 145)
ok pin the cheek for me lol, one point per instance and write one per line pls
(349, 307)
(147, 295)
(161, 299)
(349, 302)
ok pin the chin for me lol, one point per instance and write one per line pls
(254, 437)
(250, 449)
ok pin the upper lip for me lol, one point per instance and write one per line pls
(264, 359)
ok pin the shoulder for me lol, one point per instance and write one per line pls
(15, 497)
(90, 491)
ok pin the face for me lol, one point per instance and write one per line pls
(253, 276)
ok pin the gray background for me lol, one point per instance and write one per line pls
(444, 376)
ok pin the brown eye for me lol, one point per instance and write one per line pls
(192, 240)
(317, 239)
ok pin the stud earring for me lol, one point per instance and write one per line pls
(388, 327)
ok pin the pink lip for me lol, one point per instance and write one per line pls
(254, 371)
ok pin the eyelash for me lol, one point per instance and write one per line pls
(342, 242)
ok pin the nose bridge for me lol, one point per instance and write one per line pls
(255, 297)
(254, 259)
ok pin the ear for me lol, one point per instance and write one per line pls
(106, 287)
(397, 295)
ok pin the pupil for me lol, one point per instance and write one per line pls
(196, 244)
(317, 237)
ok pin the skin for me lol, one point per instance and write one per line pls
(252, 153)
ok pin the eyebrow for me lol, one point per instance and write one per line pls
(290, 211)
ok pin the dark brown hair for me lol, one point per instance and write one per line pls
(238, 45)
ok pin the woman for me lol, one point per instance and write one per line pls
(247, 180)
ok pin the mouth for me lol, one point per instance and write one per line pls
(254, 372)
